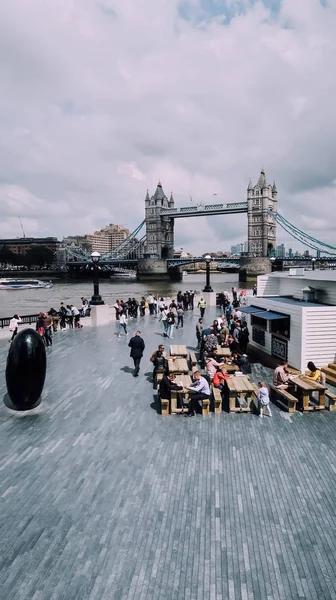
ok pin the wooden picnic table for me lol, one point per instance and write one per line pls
(186, 381)
(229, 368)
(223, 352)
(177, 365)
(241, 394)
(305, 388)
(178, 350)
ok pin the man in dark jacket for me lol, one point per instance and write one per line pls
(137, 346)
(167, 385)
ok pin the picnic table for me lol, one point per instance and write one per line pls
(305, 388)
(186, 381)
(223, 352)
(178, 350)
(177, 365)
(241, 394)
(229, 368)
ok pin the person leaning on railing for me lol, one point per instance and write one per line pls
(14, 326)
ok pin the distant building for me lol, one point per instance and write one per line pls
(102, 241)
(280, 251)
(261, 225)
(21, 246)
(117, 233)
(239, 248)
(290, 253)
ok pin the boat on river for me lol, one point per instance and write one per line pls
(23, 284)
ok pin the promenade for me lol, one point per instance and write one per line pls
(101, 498)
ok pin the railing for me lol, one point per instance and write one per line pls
(26, 320)
(200, 208)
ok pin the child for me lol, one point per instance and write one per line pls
(263, 399)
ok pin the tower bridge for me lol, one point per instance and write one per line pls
(152, 252)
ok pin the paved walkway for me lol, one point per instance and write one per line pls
(101, 498)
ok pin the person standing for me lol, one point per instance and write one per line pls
(54, 317)
(199, 330)
(14, 326)
(263, 399)
(122, 324)
(137, 346)
(244, 337)
(202, 306)
(254, 290)
(47, 330)
(180, 313)
(234, 294)
(62, 312)
(150, 302)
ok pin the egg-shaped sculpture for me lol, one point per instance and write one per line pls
(26, 370)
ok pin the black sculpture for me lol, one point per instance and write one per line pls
(25, 371)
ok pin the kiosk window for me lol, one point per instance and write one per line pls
(281, 327)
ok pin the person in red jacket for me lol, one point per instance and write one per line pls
(219, 378)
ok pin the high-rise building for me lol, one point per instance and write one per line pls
(281, 251)
(117, 233)
(261, 225)
(290, 253)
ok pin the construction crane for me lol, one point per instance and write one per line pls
(24, 235)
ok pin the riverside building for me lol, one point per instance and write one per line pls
(293, 317)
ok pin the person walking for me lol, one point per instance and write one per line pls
(202, 306)
(263, 399)
(137, 346)
(14, 326)
(122, 324)
(170, 323)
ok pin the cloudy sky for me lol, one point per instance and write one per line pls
(101, 98)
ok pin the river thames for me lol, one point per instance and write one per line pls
(32, 301)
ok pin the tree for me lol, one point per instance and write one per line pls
(39, 255)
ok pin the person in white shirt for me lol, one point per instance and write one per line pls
(200, 391)
(238, 314)
(76, 315)
(122, 324)
(150, 302)
(14, 326)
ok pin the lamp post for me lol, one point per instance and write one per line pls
(208, 287)
(272, 259)
(96, 299)
(313, 263)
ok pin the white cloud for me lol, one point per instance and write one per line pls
(102, 98)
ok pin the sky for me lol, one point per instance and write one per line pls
(102, 98)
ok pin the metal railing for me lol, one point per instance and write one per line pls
(25, 320)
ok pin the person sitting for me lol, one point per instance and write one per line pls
(243, 363)
(314, 373)
(281, 377)
(211, 365)
(219, 379)
(167, 384)
(159, 362)
(199, 391)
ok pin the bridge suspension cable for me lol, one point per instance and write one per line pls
(301, 236)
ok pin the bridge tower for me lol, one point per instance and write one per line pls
(261, 226)
(159, 229)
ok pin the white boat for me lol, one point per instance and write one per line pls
(18, 284)
(124, 275)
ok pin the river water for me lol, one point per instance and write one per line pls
(32, 301)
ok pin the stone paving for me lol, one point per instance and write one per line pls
(101, 498)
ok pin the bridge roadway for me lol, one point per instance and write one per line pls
(104, 499)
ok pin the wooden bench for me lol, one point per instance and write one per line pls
(205, 407)
(164, 407)
(330, 374)
(290, 405)
(331, 400)
(333, 367)
(192, 360)
(217, 396)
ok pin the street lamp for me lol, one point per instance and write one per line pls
(208, 287)
(96, 299)
(313, 264)
(272, 259)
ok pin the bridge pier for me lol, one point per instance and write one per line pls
(150, 269)
(251, 267)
